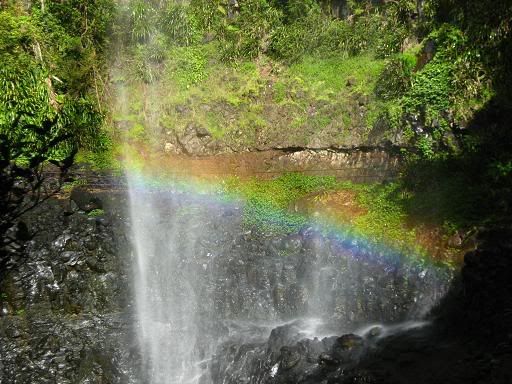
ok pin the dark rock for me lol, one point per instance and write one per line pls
(351, 82)
(85, 200)
(290, 357)
(22, 231)
(75, 290)
(328, 359)
(375, 332)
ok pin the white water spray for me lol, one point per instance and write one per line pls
(165, 292)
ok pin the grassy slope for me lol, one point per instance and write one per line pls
(256, 104)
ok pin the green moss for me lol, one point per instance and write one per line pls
(330, 75)
(67, 187)
(268, 200)
(319, 121)
(104, 159)
(136, 132)
(279, 92)
(213, 125)
(187, 66)
(96, 213)
(383, 218)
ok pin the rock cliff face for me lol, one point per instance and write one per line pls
(67, 308)
(65, 302)
(467, 341)
(364, 164)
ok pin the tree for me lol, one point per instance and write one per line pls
(38, 128)
(52, 56)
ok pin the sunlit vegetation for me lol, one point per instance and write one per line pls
(53, 71)
(433, 76)
(277, 205)
(416, 68)
(415, 223)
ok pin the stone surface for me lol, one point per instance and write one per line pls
(356, 164)
(85, 200)
(67, 308)
(65, 303)
(467, 342)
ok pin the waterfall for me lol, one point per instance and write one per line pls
(203, 283)
(165, 289)
(212, 295)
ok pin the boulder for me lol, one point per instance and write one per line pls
(85, 200)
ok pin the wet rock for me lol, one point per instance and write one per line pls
(375, 332)
(290, 357)
(348, 348)
(85, 200)
(22, 232)
(238, 280)
(326, 358)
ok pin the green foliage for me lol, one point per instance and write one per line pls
(395, 80)
(143, 16)
(28, 103)
(19, 35)
(50, 103)
(248, 33)
(210, 14)
(318, 35)
(331, 74)
(96, 213)
(440, 194)
(146, 65)
(68, 186)
(431, 90)
(291, 41)
(179, 25)
(433, 96)
(301, 9)
(90, 21)
(386, 217)
(188, 67)
(501, 169)
(267, 201)
(51, 59)
(486, 27)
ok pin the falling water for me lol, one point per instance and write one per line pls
(202, 280)
(165, 288)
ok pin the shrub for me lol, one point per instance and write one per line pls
(188, 66)
(291, 41)
(179, 25)
(395, 80)
(249, 33)
(209, 14)
(96, 213)
(142, 20)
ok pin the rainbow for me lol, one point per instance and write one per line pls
(211, 192)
